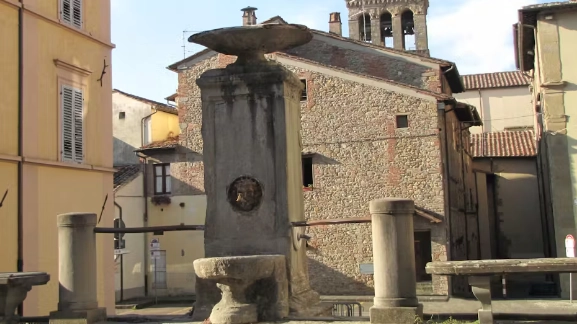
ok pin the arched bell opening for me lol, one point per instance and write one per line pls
(365, 28)
(387, 29)
(408, 26)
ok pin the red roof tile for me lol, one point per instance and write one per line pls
(169, 143)
(504, 144)
(495, 80)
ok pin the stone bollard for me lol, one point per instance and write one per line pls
(394, 262)
(77, 270)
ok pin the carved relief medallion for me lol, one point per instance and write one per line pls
(245, 194)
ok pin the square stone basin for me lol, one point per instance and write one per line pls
(14, 287)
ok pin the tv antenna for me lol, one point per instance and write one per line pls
(184, 32)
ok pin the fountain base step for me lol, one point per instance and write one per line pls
(395, 315)
(237, 314)
(91, 316)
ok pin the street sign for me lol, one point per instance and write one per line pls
(155, 255)
(154, 244)
(121, 251)
(570, 246)
(119, 223)
(570, 253)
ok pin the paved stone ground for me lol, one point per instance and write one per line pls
(176, 313)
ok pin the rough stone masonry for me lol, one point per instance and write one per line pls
(359, 155)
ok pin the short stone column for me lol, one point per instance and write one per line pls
(394, 262)
(77, 269)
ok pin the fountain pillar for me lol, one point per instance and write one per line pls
(394, 262)
(252, 157)
(77, 270)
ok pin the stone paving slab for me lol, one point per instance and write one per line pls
(159, 321)
(464, 308)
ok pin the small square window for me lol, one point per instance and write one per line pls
(402, 121)
(304, 94)
(121, 115)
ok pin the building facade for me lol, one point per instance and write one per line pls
(505, 164)
(130, 261)
(138, 122)
(503, 99)
(56, 131)
(545, 49)
(171, 201)
(376, 122)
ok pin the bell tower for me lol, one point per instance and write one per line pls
(400, 24)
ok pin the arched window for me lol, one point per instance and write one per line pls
(365, 27)
(387, 29)
(408, 25)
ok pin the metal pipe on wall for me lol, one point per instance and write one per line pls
(20, 217)
(121, 257)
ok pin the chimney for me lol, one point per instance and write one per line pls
(335, 24)
(248, 17)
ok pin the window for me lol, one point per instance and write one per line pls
(146, 133)
(71, 12)
(162, 178)
(72, 124)
(121, 115)
(304, 94)
(307, 165)
(402, 121)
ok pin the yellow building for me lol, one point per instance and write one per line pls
(56, 135)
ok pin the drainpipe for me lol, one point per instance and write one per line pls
(447, 181)
(465, 193)
(121, 257)
(20, 217)
(145, 216)
(145, 195)
(20, 262)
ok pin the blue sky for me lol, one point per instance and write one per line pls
(148, 33)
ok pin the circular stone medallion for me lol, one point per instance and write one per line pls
(245, 194)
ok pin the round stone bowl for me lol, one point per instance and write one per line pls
(249, 268)
(233, 275)
(250, 43)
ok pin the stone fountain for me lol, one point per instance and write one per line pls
(252, 161)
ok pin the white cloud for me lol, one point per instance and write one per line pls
(477, 34)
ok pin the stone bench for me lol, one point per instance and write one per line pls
(479, 273)
(14, 287)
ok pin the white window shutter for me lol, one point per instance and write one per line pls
(78, 126)
(76, 13)
(67, 124)
(66, 11)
